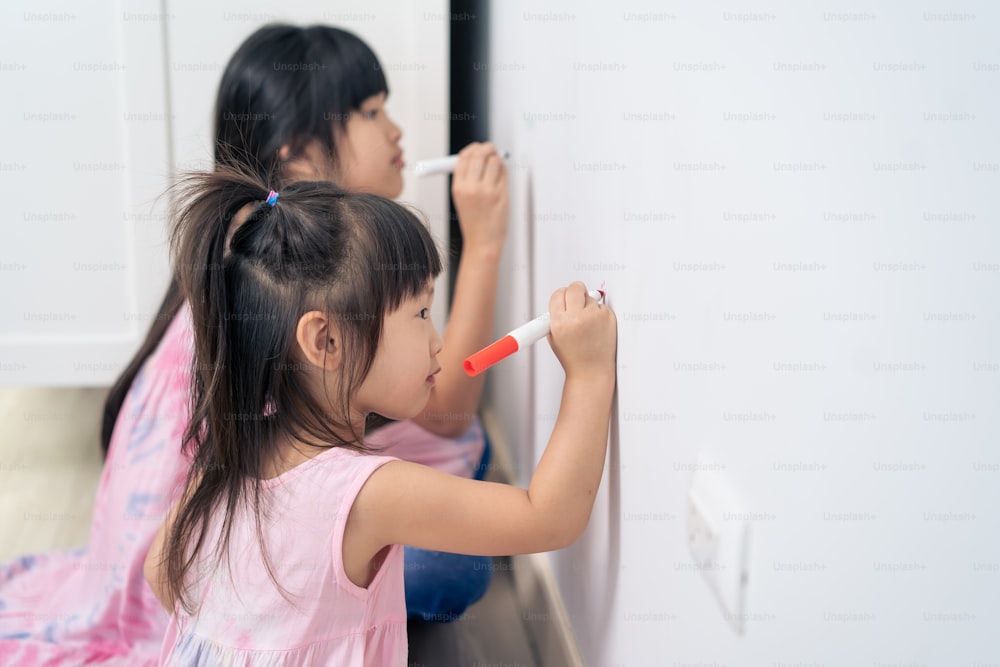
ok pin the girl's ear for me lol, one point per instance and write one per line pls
(294, 167)
(312, 163)
(319, 340)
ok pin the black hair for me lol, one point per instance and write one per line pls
(288, 85)
(355, 257)
(285, 85)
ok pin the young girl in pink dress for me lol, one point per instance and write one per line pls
(92, 606)
(314, 314)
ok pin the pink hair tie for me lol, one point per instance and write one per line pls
(272, 198)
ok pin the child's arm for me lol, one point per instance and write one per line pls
(154, 569)
(481, 200)
(404, 503)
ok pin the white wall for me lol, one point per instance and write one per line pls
(103, 103)
(794, 210)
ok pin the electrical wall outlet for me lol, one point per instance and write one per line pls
(718, 536)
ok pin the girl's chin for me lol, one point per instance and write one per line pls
(395, 188)
(418, 407)
(389, 192)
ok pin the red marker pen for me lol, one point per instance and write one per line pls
(519, 338)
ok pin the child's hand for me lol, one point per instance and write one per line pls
(583, 333)
(479, 188)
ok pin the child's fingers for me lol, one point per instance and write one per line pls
(576, 296)
(475, 163)
(462, 168)
(557, 302)
(486, 149)
(501, 171)
(492, 168)
(487, 153)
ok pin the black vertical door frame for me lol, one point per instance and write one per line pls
(468, 98)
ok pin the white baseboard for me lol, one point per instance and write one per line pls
(543, 613)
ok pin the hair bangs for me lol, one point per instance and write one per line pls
(350, 70)
(405, 257)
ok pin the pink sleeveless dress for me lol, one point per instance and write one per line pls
(241, 617)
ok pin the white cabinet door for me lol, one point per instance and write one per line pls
(83, 156)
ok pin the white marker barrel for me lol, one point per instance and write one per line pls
(441, 165)
(531, 332)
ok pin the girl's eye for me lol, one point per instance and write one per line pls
(370, 115)
(424, 313)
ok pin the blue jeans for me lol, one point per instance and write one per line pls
(440, 586)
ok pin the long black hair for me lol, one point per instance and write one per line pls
(284, 86)
(356, 257)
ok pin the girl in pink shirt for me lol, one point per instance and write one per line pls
(284, 548)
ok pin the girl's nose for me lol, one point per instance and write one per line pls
(395, 132)
(437, 343)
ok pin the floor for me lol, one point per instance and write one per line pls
(50, 464)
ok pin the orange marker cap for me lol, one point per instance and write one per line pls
(488, 356)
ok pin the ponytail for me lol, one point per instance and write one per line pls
(199, 240)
